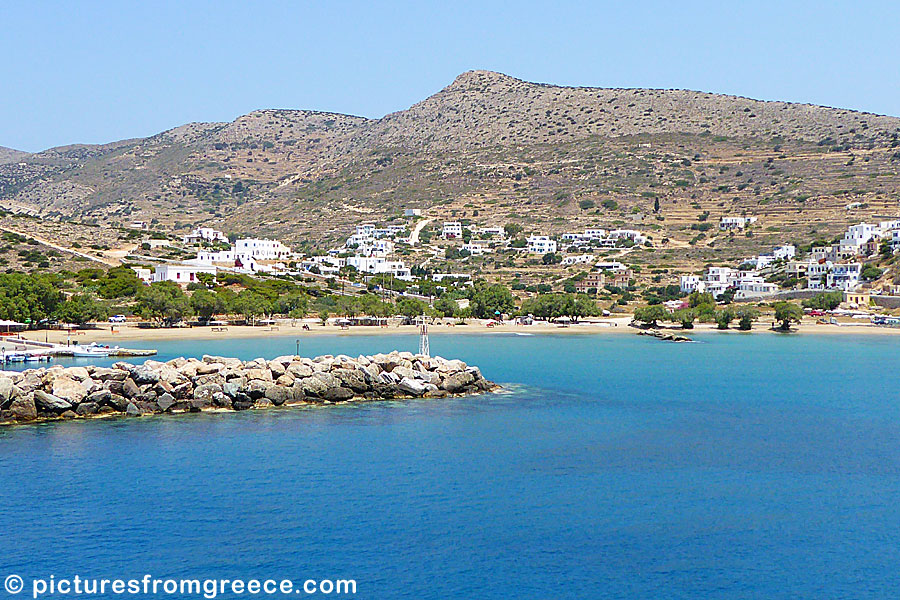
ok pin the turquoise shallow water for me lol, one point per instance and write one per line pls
(614, 466)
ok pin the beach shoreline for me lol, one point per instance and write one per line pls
(121, 334)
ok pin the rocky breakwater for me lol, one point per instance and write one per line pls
(216, 383)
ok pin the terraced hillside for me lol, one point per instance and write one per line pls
(493, 149)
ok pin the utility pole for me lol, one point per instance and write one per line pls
(424, 348)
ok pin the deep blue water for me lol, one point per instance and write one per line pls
(745, 466)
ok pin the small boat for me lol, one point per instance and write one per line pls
(92, 350)
(14, 357)
(38, 358)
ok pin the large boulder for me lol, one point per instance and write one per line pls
(311, 386)
(352, 378)
(337, 394)
(76, 373)
(51, 402)
(455, 382)
(242, 401)
(203, 395)
(23, 408)
(6, 390)
(165, 402)
(104, 374)
(87, 408)
(257, 388)
(279, 395)
(263, 374)
(411, 386)
(130, 389)
(68, 389)
(298, 369)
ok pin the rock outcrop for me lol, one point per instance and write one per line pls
(218, 383)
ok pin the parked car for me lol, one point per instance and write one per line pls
(117, 319)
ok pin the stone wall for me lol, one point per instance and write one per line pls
(215, 382)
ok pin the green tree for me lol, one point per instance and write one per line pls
(445, 306)
(724, 318)
(551, 258)
(787, 313)
(685, 316)
(251, 304)
(411, 307)
(206, 304)
(871, 273)
(824, 301)
(746, 316)
(651, 314)
(513, 229)
(81, 308)
(486, 300)
(164, 301)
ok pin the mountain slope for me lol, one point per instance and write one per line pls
(552, 157)
(8, 155)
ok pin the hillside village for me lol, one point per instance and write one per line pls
(619, 199)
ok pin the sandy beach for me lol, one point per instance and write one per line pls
(121, 334)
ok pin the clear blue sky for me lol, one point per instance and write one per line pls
(101, 71)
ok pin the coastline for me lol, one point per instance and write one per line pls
(474, 327)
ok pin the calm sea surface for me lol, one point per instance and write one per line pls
(614, 466)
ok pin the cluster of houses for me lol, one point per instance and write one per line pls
(606, 273)
(247, 255)
(837, 266)
(485, 239)
(602, 238)
(746, 282)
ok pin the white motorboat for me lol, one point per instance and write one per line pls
(92, 350)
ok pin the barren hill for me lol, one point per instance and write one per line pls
(489, 145)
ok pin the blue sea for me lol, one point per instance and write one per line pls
(612, 466)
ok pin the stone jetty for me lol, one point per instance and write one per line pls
(185, 385)
(666, 336)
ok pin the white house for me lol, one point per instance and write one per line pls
(412, 212)
(182, 274)
(452, 230)
(752, 285)
(205, 234)
(785, 252)
(630, 234)
(578, 259)
(540, 244)
(261, 249)
(143, 274)
(378, 265)
(735, 222)
(692, 283)
(141, 225)
(610, 265)
(476, 248)
(834, 276)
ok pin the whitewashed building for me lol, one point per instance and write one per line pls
(181, 274)
(540, 244)
(262, 249)
(452, 230)
(727, 223)
(205, 234)
(476, 248)
(834, 276)
(578, 259)
(692, 283)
